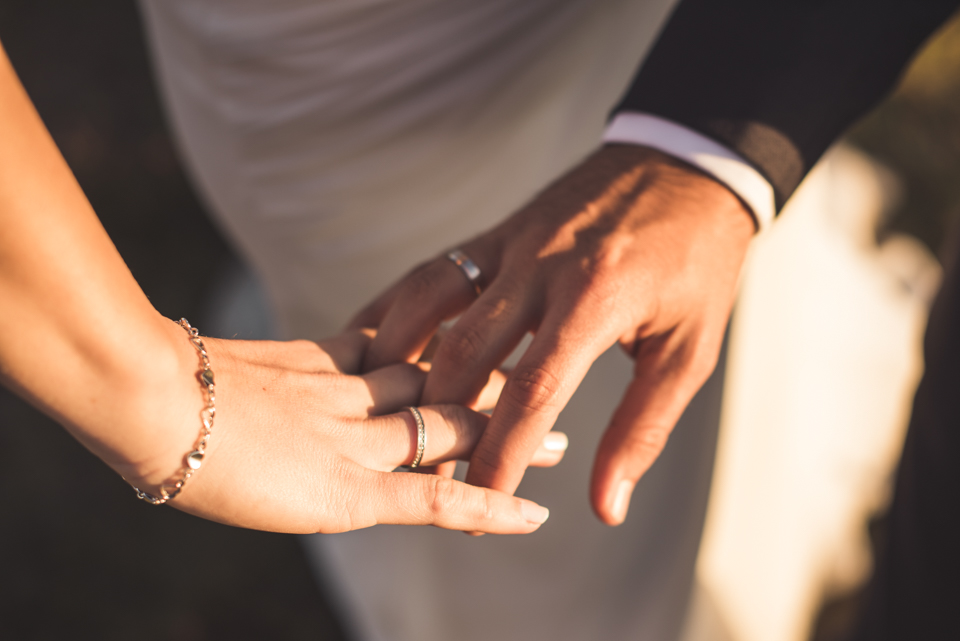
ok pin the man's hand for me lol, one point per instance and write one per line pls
(631, 246)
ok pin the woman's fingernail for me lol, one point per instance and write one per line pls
(534, 513)
(555, 442)
(621, 502)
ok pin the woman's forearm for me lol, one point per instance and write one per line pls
(300, 445)
(78, 338)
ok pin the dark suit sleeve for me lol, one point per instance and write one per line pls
(779, 80)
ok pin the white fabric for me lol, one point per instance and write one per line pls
(825, 352)
(340, 143)
(715, 159)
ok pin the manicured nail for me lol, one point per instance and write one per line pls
(534, 513)
(621, 502)
(555, 442)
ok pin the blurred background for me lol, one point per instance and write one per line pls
(80, 557)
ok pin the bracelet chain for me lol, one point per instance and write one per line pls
(193, 459)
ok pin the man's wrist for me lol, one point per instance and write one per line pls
(709, 156)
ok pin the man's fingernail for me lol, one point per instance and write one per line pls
(555, 442)
(534, 513)
(621, 502)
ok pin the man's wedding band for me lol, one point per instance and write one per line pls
(468, 267)
(421, 436)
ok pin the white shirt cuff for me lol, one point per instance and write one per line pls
(701, 152)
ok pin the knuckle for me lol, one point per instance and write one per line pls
(602, 287)
(422, 284)
(447, 497)
(462, 347)
(700, 369)
(339, 387)
(594, 298)
(648, 442)
(331, 394)
(343, 431)
(454, 417)
(533, 388)
(485, 514)
(335, 509)
(600, 304)
(603, 266)
(654, 438)
(700, 357)
(487, 460)
(689, 356)
(293, 383)
(443, 496)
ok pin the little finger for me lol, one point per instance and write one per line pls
(668, 373)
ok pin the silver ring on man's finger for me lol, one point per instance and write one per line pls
(468, 267)
(421, 436)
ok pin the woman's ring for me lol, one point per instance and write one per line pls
(421, 436)
(468, 267)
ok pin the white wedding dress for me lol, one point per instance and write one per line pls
(339, 144)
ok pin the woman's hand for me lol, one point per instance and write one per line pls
(302, 445)
(299, 445)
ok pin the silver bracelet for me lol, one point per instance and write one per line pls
(194, 459)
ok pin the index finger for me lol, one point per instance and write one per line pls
(536, 391)
(426, 297)
(424, 499)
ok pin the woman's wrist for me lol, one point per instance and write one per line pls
(159, 420)
(78, 338)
